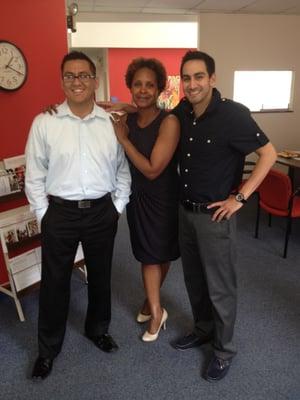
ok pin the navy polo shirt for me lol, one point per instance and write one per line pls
(213, 148)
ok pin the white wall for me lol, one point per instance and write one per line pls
(257, 42)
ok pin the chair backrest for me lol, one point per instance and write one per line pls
(276, 190)
(248, 167)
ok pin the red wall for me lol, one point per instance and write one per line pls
(118, 60)
(38, 28)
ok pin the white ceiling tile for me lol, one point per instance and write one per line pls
(189, 6)
(167, 11)
(293, 10)
(271, 6)
(228, 5)
(183, 4)
(121, 3)
(117, 9)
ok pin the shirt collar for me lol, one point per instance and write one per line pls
(214, 102)
(64, 110)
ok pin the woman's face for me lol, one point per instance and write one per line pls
(144, 88)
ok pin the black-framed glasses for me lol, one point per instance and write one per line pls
(83, 77)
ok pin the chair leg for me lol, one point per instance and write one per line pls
(257, 221)
(287, 235)
(270, 220)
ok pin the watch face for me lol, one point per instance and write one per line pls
(240, 197)
(13, 66)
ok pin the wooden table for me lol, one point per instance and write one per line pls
(293, 165)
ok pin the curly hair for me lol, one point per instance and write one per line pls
(151, 63)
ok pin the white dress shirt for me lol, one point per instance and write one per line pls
(74, 159)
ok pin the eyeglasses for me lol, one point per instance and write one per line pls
(85, 78)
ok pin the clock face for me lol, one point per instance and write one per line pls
(13, 66)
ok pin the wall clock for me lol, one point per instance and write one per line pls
(13, 66)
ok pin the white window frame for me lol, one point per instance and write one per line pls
(257, 90)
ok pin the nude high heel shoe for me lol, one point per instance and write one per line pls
(150, 337)
(141, 318)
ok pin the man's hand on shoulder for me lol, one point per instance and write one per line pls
(50, 109)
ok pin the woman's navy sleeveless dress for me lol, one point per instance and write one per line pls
(152, 212)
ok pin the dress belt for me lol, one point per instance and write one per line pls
(198, 207)
(89, 203)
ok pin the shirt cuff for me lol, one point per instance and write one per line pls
(39, 213)
(120, 205)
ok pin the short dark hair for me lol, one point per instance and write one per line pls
(78, 55)
(199, 55)
(151, 63)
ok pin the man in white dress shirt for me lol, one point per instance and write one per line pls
(77, 183)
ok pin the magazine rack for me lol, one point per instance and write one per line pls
(20, 236)
(20, 242)
(20, 245)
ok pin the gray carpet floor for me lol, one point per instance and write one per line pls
(267, 334)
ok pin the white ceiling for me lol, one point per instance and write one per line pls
(189, 7)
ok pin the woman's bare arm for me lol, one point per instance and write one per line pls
(162, 152)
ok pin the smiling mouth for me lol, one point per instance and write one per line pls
(77, 91)
(192, 93)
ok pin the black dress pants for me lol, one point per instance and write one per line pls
(62, 229)
(208, 253)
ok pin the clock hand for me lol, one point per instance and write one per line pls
(7, 66)
(21, 73)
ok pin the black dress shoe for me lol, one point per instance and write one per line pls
(217, 369)
(42, 368)
(189, 341)
(104, 342)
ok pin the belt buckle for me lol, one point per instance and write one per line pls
(84, 204)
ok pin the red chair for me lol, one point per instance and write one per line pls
(276, 198)
(247, 171)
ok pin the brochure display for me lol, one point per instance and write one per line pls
(12, 174)
(20, 236)
(18, 227)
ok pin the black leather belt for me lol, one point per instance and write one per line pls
(89, 203)
(198, 207)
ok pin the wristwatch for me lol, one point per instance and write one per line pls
(240, 198)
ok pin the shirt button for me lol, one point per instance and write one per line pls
(191, 139)
(186, 170)
(185, 185)
(208, 141)
(223, 99)
(258, 134)
(188, 155)
(194, 123)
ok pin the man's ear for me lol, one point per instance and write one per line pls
(96, 83)
(213, 80)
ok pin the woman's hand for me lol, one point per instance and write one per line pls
(120, 127)
(117, 107)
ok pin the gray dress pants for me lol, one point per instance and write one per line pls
(208, 252)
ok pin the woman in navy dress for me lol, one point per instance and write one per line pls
(150, 137)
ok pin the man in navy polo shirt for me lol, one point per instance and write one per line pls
(216, 135)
